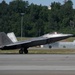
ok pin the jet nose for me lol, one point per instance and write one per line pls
(71, 35)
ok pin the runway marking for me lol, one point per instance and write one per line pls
(33, 67)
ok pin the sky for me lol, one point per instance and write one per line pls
(43, 2)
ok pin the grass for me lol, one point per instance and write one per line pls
(53, 51)
(70, 39)
(23, 38)
(41, 51)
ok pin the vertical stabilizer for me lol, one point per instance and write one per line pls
(4, 39)
(12, 37)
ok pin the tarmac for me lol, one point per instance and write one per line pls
(36, 64)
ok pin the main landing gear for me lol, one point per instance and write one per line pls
(23, 50)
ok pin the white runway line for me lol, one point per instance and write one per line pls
(62, 68)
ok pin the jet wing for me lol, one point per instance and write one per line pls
(25, 44)
(35, 42)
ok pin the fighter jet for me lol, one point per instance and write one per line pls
(7, 43)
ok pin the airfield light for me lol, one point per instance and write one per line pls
(22, 14)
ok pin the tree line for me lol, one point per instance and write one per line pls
(37, 19)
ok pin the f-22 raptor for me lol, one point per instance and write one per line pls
(6, 43)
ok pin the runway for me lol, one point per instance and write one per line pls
(37, 64)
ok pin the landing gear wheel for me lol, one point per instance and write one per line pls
(20, 51)
(26, 51)
(23, 50)
(50, 46)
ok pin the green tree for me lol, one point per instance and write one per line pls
(53, 18)
(3, 16)
(66, 15)
(38, 19)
